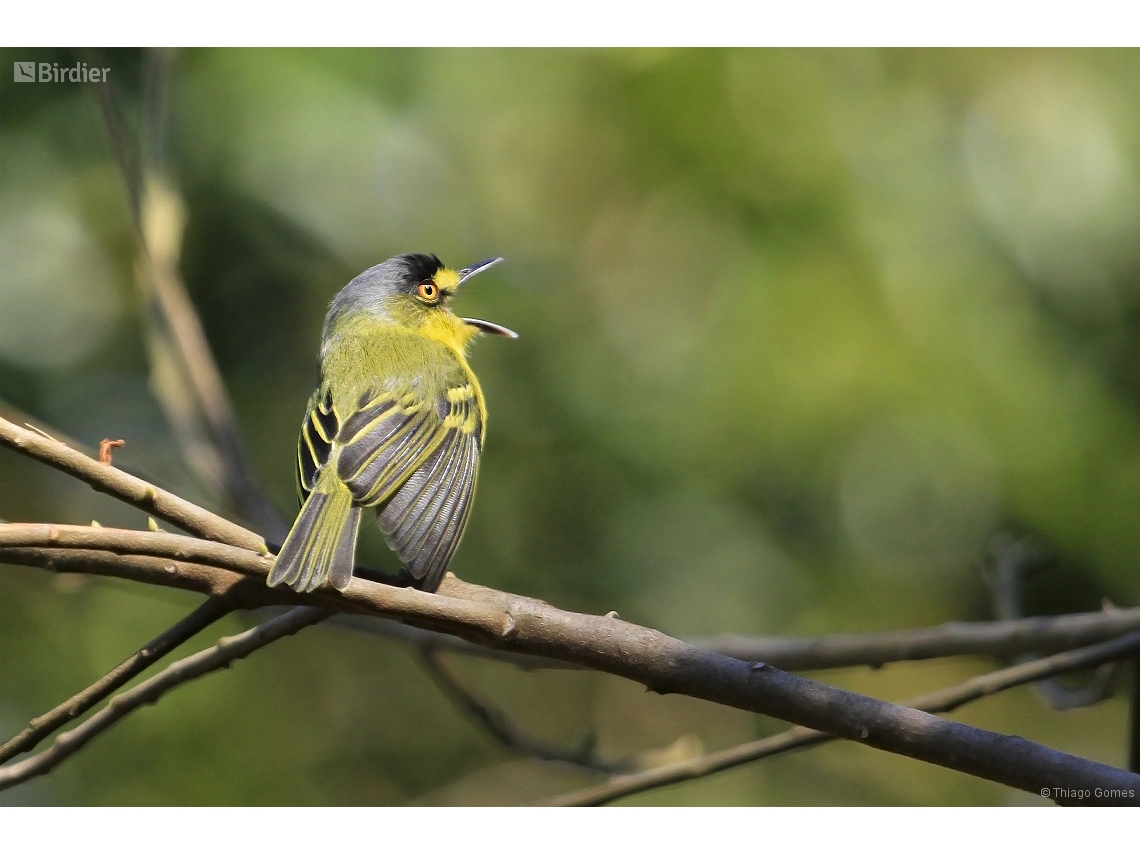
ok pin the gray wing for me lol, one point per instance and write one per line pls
(424, 520)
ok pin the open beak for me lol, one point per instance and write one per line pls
(484, 326)
(478, 267)
(490, 328)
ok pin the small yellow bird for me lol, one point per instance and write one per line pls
(396, 424)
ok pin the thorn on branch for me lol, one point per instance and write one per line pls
(106, 446)
(40, 431)
(508, 627)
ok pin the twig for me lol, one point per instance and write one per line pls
(184, 376)
(159, 63)
(661, 663)
(107, 479)
(41, 727)
(435, 642)
(506, 732)
(219, 656)
(1010, 561)
(196, 378)
(123, 147)
(943, 700)
(989, 638)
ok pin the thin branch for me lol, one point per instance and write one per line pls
(214, 658)
(123, 147)
(11, 413)
(661, 663)
(435, 642)
(135, 491)
(943, 700)
(511, 736)
(184, 375)
(159, 63)
(128, 541)
(1010, 561)
(989, 638)
(41, 727)
(193, 391)
(508, 734)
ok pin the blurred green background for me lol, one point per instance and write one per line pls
(801, 331)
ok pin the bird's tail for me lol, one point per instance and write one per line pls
(321, 545)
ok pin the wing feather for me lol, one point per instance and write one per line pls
(392, 462)
(413, 457)
(415, 532)
(314, 442)
(412, 500)
(425, 519)
(459, 508)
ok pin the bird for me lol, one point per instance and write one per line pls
(396, 424)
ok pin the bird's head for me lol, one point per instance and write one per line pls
(413, 291)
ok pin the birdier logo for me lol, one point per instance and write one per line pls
(50, 72)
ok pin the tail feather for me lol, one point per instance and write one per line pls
(321, 545)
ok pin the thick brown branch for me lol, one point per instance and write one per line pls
(998, 638)
(42, 726)
(943, 700)
(219, 656)
(147, 569)
(993, 638)
(178, 561)
(127, 541)
(661, 663)
(107, 479)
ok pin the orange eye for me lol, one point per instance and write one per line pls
(427, 291)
